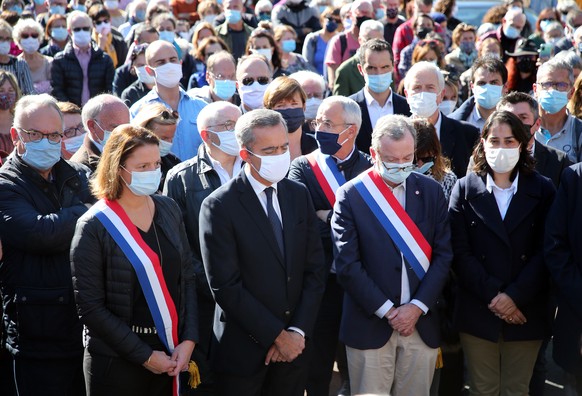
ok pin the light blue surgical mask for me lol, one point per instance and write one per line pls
(168, 36)
(424, 168)
(140, 15)
(224, 89)
(80, 7)
(232, 16)
(165, 148)
(487, 95)
(553, 101)
(73, 144)
(380, 13)
(41, 155)
(144, 183)
(289, 45)
(511, 32)
(17, 9)
(378, 83)
(396, 173)
(38, 2)
(106, 134)
(59, 33)
(57, 10)
(544, 24)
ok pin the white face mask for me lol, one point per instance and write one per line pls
(266, 52)
(502, 160)
(169, 75)
(143, 76)
(30, 45)
(252, 95)
(311, 107)
(103, 28)
(423, 104)
(447, 106)
(73, 144)
(228, 143)
(165, 148)
(82, 38)
(4, 48)
(144, 183)
(273, 167)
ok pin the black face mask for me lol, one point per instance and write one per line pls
(293, 117)
(422, 32)
(526, 66)
(360, 20)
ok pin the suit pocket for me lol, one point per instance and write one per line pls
(45, 314)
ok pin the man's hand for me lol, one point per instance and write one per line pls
(159, 363)
(403, 319)
(502, 305)
(322, 215)
(290, 345)
(273, 356)
(181, 356)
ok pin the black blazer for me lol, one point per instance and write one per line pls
(464, 111)
(493, 255)
(550, 162)
(258, 291)
(364, 139)
(458, 139)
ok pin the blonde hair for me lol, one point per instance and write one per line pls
(280, 89)
(154, 113)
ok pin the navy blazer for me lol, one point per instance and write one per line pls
(369, 265)
(259, 292)
(563, 253)
(464, 110)
(458, 139)
(550, 162)
(364, 139)
(495, 255)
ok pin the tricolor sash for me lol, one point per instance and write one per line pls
(395, 221)
(327, 174)
(147, 267)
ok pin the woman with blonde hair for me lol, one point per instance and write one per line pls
(132, 274)
(286, 39)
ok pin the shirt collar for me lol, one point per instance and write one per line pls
(217, 164)
(476, 114)
(437, 124)
(370, 100)
(257, 186)
(490, 185)
(79, 51)
(339, 161)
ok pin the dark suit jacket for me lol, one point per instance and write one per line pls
(563, 256)
(464, 111)
(369, 265)
(458, 139)
(495, 255)
(364, 139)
(259, 292)
(550, 162)
(88, 154)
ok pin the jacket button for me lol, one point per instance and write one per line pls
(473, 224)
(61, 299)
(288, 279)
(523, 257)
(482, 257)
(23, 299)
(287, 313)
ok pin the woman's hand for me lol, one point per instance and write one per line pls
(181, 357)
(502, 305)
(159, 363)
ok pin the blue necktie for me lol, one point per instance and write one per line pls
(274, 220)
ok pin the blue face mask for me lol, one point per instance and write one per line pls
(331, 26)
(38, 2)
(379, 83)
(168, 36)
(41, 155)
(17, 9)
(224, 89)
(395, 173)
(57, 10)
(380, 13)
(232, 16)
(264, 16)
(544, 24)
(294, 118)
(165, 148)
(140, 15)
(289, 45)
(328, 142)
(487, 95)
(144, 183)
(425, 167)
(511, 32)
(553, 101)
(80, 7)
(59, 33)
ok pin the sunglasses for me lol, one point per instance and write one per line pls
(78, 29)
(169, 115)
(430, 43)
(250, 80)
(27, 35)
(101, 22)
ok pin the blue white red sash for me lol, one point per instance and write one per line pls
(395, 221)
(147, 267)
(327, 174)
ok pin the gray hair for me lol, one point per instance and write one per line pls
(370, 26)
(422, 67)
(351, 112)
(95, 105)
(303, 76)
(247, 58)
(27, 23)
(217, 57)
(394, 127)
(212, 114)
(77, 14)
(571, 58)
(30, 103)
(261, 4)
(552, 66)
(566, 6)
(260, 118)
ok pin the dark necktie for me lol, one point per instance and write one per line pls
(274, 219)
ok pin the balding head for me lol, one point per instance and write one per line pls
(104, 113)
(159, 49)
(514, 18)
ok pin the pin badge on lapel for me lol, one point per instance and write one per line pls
(417, 192)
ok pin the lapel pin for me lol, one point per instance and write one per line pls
(417, 192)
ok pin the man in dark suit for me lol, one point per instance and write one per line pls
(550, 162)
(563, 257)
(338, 121)
(389, 323)
(264, 262)
(376, 99)
(424, 86)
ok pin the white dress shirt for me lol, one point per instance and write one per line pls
(437, 125)
(222, 173)
(502, 196)
(375, 110)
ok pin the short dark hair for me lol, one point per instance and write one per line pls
(98, 11)
(376, 45)
(490, 64)
(526, 162)
(516, 97)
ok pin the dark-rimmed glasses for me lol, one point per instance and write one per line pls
(36, 136)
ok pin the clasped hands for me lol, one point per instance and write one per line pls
(159, 362)
(504, 308)
(287, 346)
(403, 319)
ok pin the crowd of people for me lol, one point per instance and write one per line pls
(203, 197)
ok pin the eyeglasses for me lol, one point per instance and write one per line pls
(27, 35)
(222, 77)
(327, 125)
(250, 80)
(85, 29)
(317, 95)
(394, 170)
(558, 86)
(35, 136)
(226, 126)
(74, 131)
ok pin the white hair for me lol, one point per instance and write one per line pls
(95, 105)
(303, 76)
(422, 67)
(554, 65)
(392, 126)
(77, 14)
(27, 23)
(370, 26)
(351, 112)
(262, 4)
(30, 103)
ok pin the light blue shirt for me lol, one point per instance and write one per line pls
(187, 139)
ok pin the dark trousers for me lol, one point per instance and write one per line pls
(49, 377)
(107, 376)
(325, 339)
(7, 387)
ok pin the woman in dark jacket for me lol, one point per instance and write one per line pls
(497, 215)
(132, 274)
